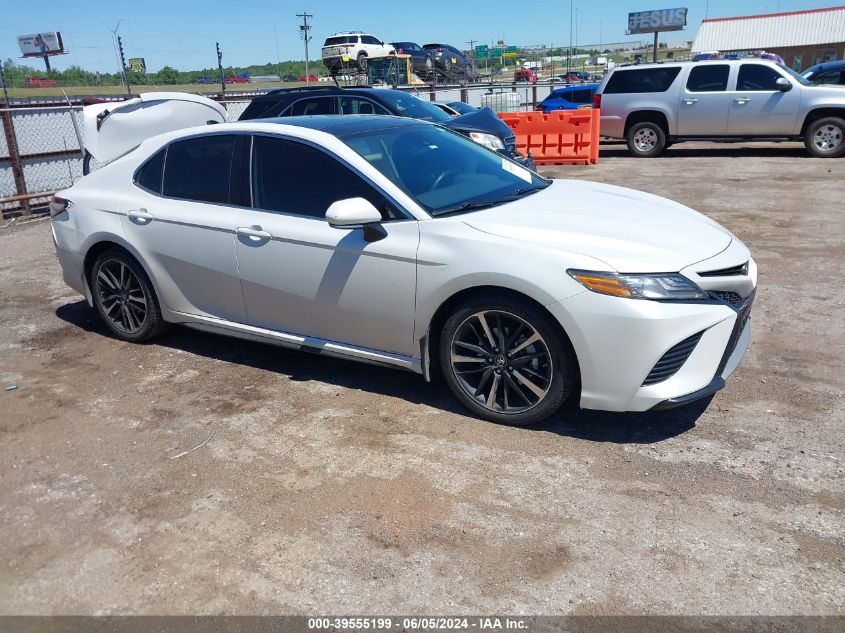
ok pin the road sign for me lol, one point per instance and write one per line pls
(481, 51)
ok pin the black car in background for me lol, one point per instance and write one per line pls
(827, 73)
(451, 62)
(421, 64)
(482, 126)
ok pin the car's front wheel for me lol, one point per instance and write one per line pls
(825, 138)
(124, 297)
(646, 139)
(505, 360)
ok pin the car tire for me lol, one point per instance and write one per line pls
(646, 139)
(825, 137)
(362, 62)
(124, 297)
(519, 386)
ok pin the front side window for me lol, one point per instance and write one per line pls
(835, 78)
(198, 168)
(150, 174)
(442, 170)
(757, 78)
(309, 107)
(709, 78)
(292, 177)
(642, 80)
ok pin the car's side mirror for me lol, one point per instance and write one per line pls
(783, 84)
(356, 213)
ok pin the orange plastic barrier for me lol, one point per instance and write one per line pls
(562, 137)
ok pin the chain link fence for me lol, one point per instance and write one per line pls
(41, 149)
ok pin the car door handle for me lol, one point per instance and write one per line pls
(140, 214)
(742, 100)
(690, 101)
(254, 232)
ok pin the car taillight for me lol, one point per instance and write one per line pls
(438, 49)
(57, 205)
(400, 51)
(597, 101)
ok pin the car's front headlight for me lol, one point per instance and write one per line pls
(665, 286)
(487, 140)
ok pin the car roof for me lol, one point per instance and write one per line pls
(279, 94)
(592, 86)
(831, 65)
(341, 124)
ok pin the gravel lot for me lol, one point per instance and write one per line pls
(332, 487)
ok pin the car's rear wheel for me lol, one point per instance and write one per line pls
(825, 137)
(124, 297)
(646, 139)
(362, 62)
(505, 360)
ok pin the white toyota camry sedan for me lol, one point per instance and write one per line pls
(394, 241)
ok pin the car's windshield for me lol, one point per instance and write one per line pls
(799, 78)
(463, 108)
(442, 170)
(408, 105)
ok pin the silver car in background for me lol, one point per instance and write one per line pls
(653, 106)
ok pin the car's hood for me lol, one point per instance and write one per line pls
(485, 120)
(628, 230)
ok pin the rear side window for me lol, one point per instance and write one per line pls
(293, 177)
(150, 174)
(358, 105)
(580, 96)
(198, 169)
(259, 109)
(641, 80)
(709, 78)
(344, 39)
(757, 77)
(308, 107)
(369, 39)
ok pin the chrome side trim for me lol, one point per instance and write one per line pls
(298, 342)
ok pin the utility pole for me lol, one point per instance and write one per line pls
(304, 28)
(472, 46)
(123, 66)
(220, 69)
(569, 57)
(118, 51)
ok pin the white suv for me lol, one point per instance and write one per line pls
(342, 49)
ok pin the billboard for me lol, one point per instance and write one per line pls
(137, 64)
(40, 44)
(657, 21)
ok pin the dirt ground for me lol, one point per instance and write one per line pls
(332, 487)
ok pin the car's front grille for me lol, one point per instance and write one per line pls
(733, 271)
(731, 298)
(671, 361)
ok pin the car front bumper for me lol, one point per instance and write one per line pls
(618, 342)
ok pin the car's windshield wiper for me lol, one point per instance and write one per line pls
(472, 206)
(466, 206)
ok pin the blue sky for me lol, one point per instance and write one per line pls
(181, 33)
